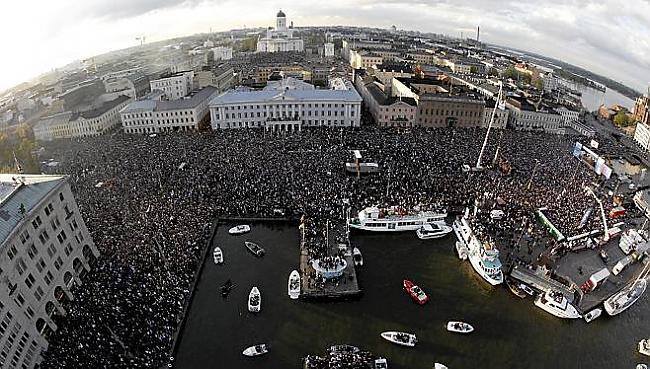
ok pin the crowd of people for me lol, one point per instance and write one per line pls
(159, 196)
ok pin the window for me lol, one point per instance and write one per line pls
(48, 277)
(29, 281)
(11, 253)
(38, 294)
(21, 266)
(58, 263)
(40, 265)
(37, 221)
(32, 252)
(51, 250)
(20, 300)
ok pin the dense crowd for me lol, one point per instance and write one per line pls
(152, 212)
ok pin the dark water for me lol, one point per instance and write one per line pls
(510, 333)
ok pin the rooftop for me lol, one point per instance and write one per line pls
(27, 193)
(383, 99)
(239, 97)
(90, 114)
(186, 103)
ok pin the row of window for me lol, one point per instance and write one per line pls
(264, 114)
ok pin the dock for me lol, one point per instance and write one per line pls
(336, 240)
(541, 282)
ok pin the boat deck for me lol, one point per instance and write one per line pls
(541, 282)
(347, 286)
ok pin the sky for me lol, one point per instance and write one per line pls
(608, 37)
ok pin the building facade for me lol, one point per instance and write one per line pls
(222, 78)
(642, 136)
(46, 249)
(286, 108)
(500, 115)
(175, 85)
(281, 38)
(529, 119)
(641, 111)
(386, 110)
(85, 124)
(439, 110)
(153, 116)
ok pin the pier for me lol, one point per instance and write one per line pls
(334, 237)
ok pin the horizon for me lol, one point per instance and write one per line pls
(115, 25)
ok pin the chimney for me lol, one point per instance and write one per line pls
(478, 34)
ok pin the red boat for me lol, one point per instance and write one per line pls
(416, 292)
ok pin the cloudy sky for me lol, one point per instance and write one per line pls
(606, 36)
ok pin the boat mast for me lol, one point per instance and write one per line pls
(487, 134)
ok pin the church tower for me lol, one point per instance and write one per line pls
(281, 22)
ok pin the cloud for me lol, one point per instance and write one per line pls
(609, 37)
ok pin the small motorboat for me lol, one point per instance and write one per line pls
(381, 363)
(240, 229)
(439, 366)
(400, 338)
(226, 288)
(515, 289)
(641, 366)
(416, 293)
(592, 315)
(254, 300)
(433, 230)
(293, 286)
(254, 248)
(644, 346)
(217, 255)
(459, 327)
(344, 349)
(527, 289)
(357, 257)
(256, 350)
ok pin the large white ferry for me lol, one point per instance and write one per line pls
(393, 219)
(483, 256)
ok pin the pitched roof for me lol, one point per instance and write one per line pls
(27, 194)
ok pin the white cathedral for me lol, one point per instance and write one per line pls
(281, 38)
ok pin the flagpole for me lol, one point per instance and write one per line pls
(487, 134)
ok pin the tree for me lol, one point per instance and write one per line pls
(539, 84)
(621, 119)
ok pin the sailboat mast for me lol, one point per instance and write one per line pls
(487, 134)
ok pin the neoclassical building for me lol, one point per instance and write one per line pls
(288, 105)
(281, 38)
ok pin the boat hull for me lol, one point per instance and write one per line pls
(618, 303)
(392, 337)
(294, 292)
(592, 315)
(468, 240)
(570, 313)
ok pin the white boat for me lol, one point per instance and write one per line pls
(254, 300)
(381, 363)
(593, 315)
(254, 248)
(623, 299)
(256, 350)
(393, 219)
(484, 256)
(462, 250)
(362, 167)
(217, 255)
(293, 285)
(644, 346)
(433, 230)
(641, 366)
(439, 366)
(527, 289)
(357, 257)
(400, 338)
(554, 302)
(240, 229)
(459, 327)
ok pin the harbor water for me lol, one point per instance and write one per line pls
(510, 332)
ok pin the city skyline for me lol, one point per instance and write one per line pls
(584, 34)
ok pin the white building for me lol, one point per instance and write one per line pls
(568, 115)
(221, 77)
(288, 106)
(329, 50)
(152, 116)
(642, 136)
(84, 124)
(551, 82)
(222, 53)
(45, 249)
(174, 85)
(281, 38)
(500, 116)
(532, 120)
